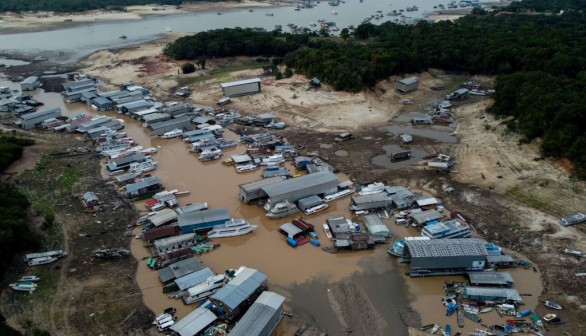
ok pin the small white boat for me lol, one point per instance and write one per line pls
(333, 12)
(317, 208)
(486, 310)
(327, 231)
(245, 168)
(23, 286)
(210, 154)
(204, 289)
(549, 317)
(282, 209)
(339, 194)
(435, 328)
(41, 261)
(373, 188)
(172, 134)
(233, 227)
(29, 278)
(142, 167)
(148, 151)
(552, 305)
(168, 29)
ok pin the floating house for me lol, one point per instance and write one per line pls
(241, 88)
(162, 217)
(263, 316)
(424, 217)
(491, 294)
(304, 186)
(448, 230)
(165, 126)
(172, 257)
(130, 107)
(376, 227)
(193, 278)
(30, 83)
(35, 119)
(354, 241)
(445, 256)
(238, 294)
(153, 118)
(169, 244)
(151, 235)
(179, 269)
(340, 225)
(102, 104)
(401, 196)
(204, 220)
(373, 201)
(252, 191)
(500, 279)
(407, 85)
(143, 189)
(501, 261)
(124, 162)
(194, 323)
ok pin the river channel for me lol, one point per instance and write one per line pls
(85, 39)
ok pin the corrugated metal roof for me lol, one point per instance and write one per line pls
(147, 181)
(301, 182)
(240, 288)
(409, 80)
(30, 80)
(426, 216)
(164, 242)
(290, 229)
(499, 258)
(194, 322)
(426, 201)
(309, 202)
(41, 113)
(255, 185)
(240, 82)
(491, 278)
(164, 216)
(446, 247)
(259, 315)
(180, 268)
(240, 158)
(89, 196)
(376, 226)
(168, 123)
(203, 216)
(160, 232)
(194, 278)
(509, 294)
(379, 197)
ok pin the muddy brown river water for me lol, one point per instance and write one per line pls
(302, 274)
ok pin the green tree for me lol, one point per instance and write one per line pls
(345, 34)
(188, 68)
(288, 72)
(202, 62)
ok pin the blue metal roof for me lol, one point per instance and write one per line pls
(240, 288)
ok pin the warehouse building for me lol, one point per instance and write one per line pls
(134, 106)
(491, 294)
(263, 316)
(179, 269)
(237, 295)
(304, 186)
(153, 118)
(194, 278)
(424, 217)
(125, 161)
(241, 88)
(445, 256)
(159, 128)
(30, 83)
(499, 279)
(32, 120)
(373, 201)
(401, 196)
(252, 191)
(162, 217)
(202, 220)
(143, 189)
(93, 123)
(194, 323)
(407, 85)
(376, 226)
(102, 104)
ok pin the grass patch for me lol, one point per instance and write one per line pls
(220, 73)
(69, 177)
(528, 199)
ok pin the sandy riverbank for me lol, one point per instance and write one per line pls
(21, 22)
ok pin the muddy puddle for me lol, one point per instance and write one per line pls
(385, 161)
(304, 273)
(422, 131)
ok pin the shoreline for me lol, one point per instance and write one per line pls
(13, 23)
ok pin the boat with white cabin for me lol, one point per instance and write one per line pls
(41, 261)
(317, 208)
(204, 289)
(172, 134)
(245, 168)
(23, 286)
(282, 209)
(142, 167)
(29, 278)
(373, 188)
(210, 154)
(327, 231)
(232, 227)
(339, 194)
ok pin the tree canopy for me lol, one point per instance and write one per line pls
(65, 6)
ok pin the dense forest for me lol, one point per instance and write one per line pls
(65, 6)
(540, 61)
(15, 234)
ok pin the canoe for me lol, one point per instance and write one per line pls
(427, 327)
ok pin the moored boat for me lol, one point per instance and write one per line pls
(426, 327)
(317, 208)
(29, 278)
(486, 310)
(549, 317)
(472, 317)
(232, 227)
(210, 154)
(282, 209)
(339, 194)
(552, 304)
(41, 261)
(327, 231)
(435, 328)
(373, 188)
(204, 289)
(172, 134)
(245, 168)
(23, 286)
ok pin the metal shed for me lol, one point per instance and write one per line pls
(376, 226)
(95, 122)
(169, 125)
(160, 232)
(445, 256)
(233, 297)
(372, 201)
(156, 117)
(252, 191)
(194, 278)
(426, 216)
(295, 189)
(179, 269)
(263, 316)
(103, 104)
(31, 120)
(163, 217)
(340, 225)
(240, 88)
(135, 106)
(401, 196)
(124, 162)
(308, 202)
(202, 220)
(407, 85)
(490, 279)
(30, 83)
(194, 322)
(497, 294)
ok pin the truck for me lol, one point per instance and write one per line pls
(404, 155)
(343, 137)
